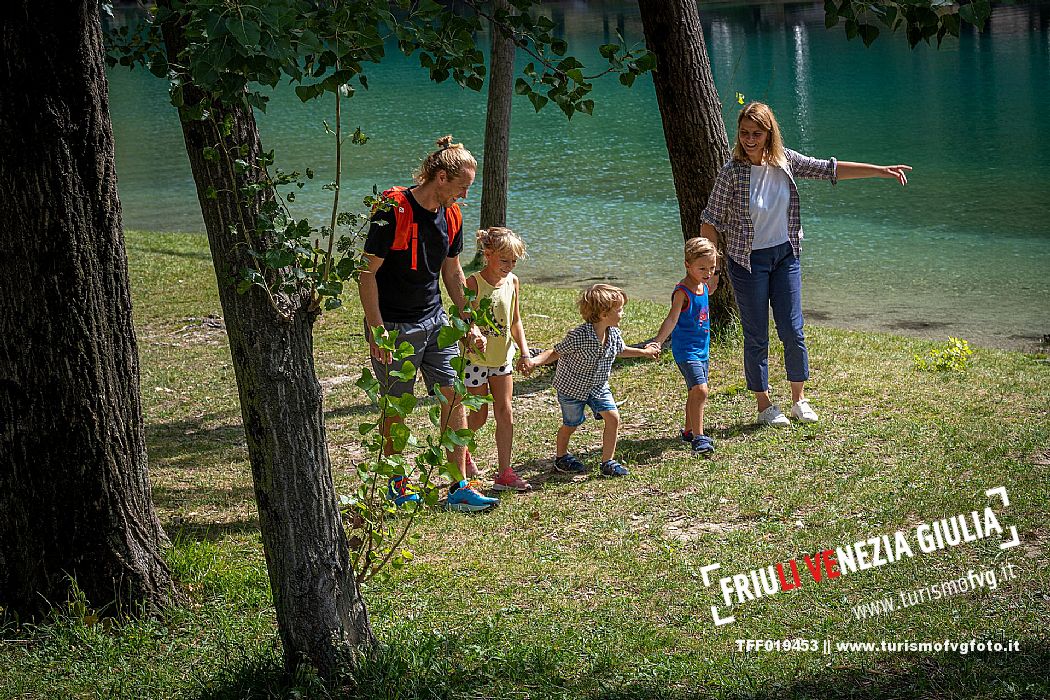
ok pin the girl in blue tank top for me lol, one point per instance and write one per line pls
(688, 324)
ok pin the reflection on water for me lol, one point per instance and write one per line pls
(963, 250)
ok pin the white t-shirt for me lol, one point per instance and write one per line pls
(770, 196)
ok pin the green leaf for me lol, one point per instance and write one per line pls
(245, 31)
(869, 33)
(448, 336)
(608, 50)
(646, 62)
(568, 64)
(404, 350)
(407, 372)
(368, 384)
(521, 87)
(399, 436)
(559, 47)
(459, 363)
(538, 100)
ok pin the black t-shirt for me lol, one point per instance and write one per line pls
(407, 295)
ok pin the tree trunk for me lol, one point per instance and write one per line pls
(692, 117)
(497, 129)
(75, 501)
(316, 597)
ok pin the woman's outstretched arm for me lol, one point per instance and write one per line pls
(854, 171)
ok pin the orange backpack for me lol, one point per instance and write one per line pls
(406, 230)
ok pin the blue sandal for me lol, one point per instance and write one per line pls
(568, 464)
(703, 446)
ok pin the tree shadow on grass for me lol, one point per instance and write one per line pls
(435, 665)
(643, 453)
(210, 532)
(193, 437)
(155, 250)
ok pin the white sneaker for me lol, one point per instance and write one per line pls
(802, 411)
(773, 416)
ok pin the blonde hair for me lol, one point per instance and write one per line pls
(453, 158)
(496, 239)
(699, 247)
(599, 300)
(762, 115)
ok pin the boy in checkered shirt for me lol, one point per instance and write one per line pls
(585, 359)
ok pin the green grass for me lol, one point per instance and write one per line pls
(591, 588)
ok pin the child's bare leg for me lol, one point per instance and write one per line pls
(609, 435)
(694, 408)
(690, 412)
(476, 419)
(562, 441)
(502, 392)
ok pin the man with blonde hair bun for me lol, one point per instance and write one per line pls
(410, 246)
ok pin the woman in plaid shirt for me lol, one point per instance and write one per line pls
(755, 205)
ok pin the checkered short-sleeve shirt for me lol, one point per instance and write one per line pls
(728, 207)
(584, 364)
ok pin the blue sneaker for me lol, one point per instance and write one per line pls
(568, 464)
(611, 467)
(465, 499)
(399, 490)
(703, 446)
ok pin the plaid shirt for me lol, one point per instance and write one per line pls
(728, 207)
(584, 364)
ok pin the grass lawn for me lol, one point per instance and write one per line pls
(593, 587)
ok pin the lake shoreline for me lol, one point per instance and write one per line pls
(1023, 340)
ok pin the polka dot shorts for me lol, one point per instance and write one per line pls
(476, 375)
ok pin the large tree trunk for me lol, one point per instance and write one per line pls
(692, 117)
(497, 128)
(74, 490)
(316, 597)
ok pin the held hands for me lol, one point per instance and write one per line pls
(899, 172)
(652, 350)
(525, 365)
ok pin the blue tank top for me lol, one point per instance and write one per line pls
(692, 334)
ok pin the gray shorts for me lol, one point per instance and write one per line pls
(435, 362)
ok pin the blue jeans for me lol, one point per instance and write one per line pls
(600, 401)
(775, 281)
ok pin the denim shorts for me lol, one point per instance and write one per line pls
(434, 362)
(694, 371)
(572, 409)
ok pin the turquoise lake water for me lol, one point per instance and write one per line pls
(963, 250)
